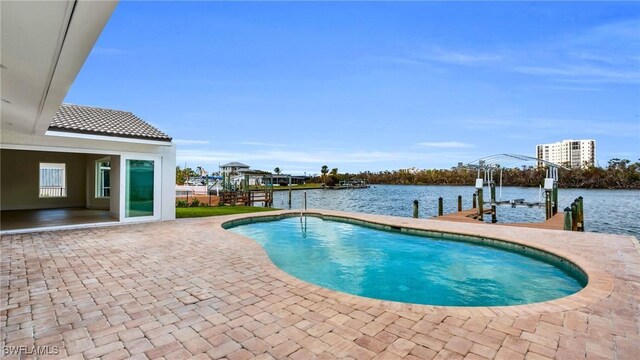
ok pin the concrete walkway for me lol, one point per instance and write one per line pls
(188, 288)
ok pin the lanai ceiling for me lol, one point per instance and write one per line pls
(43, 47)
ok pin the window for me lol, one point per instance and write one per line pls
(103, 179)
(52, 180)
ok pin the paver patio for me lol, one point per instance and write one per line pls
(188, 288)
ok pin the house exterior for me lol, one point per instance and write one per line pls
(233, 168)
(235, 172)
(58, 156)
(281, 179)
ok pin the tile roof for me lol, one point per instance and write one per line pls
(106, 122)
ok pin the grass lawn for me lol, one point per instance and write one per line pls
(218, 210)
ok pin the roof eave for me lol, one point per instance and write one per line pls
(108, 137)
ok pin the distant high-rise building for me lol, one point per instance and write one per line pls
(570, 153)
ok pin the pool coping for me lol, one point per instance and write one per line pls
(600, 284)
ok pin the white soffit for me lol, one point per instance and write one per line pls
(43, 47)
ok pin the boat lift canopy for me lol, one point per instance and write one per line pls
(489, 164)
(508, 160)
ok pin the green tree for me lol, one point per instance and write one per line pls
(324, 171)
(179, 176)
(277, 171)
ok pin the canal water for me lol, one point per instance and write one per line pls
(605, 211)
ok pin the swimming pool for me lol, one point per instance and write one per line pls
(437, 269)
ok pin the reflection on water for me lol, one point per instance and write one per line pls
(607, 211)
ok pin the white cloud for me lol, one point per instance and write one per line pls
(467, 58)
(190, 142)
(553, 128)
(436, 54)
(583, 73)
(293, 161)
(446, 144)
(258, 143)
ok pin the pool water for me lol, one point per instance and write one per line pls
(392, 265)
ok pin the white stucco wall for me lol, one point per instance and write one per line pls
(20, 180)
(167, 154)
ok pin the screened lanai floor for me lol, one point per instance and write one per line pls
(45, 218)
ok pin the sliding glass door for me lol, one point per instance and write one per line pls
(140, 186)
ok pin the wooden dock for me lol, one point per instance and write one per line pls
(247, 198)
(470, 216)
(556, 222)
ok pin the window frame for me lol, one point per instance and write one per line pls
(63, 188)
(99, 183)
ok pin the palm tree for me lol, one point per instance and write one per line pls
(324, 171)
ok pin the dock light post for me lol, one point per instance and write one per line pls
(440, 206)
(459, 203)
(415, 209)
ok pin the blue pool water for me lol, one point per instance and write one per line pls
(391, 265)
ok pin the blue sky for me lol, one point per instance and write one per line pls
(371, 85)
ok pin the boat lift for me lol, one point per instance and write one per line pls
(488, 166)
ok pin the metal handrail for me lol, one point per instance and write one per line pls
(52, 191)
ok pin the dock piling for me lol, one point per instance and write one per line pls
(480, 205)
(568, 221)
(493, 203)
(415, 209)
(475, 205)
(440, 206)
(580, 213)
(574, 216)
(459, 203)
(289, 196)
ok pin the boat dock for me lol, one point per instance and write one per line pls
(556, 222)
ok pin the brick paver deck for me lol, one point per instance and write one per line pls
(188, 288)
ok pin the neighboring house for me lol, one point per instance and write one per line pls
(69, 164)
(236, 172)
(284, 179)
(233, 168)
